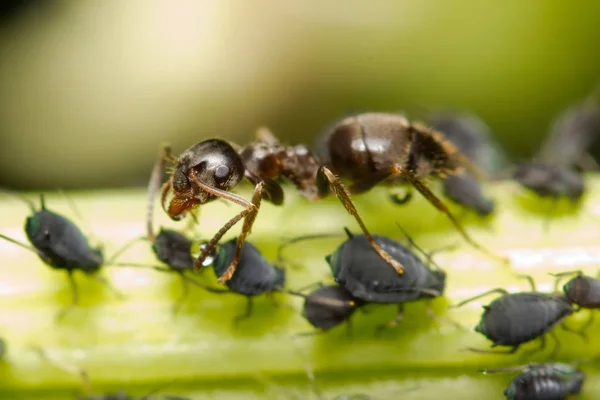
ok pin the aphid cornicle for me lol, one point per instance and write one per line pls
(517, 318)
(473, 138)
(328, 306)
(61, 245)
(255, 275)
(548, 381)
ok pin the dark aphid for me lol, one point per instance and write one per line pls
(466, 191)
(473, 138)
(255, 275)
(556, 170)
(549, 180)
(549, 381)
(516, 318)
(356, 267)
(328, 306)
(359, 270)
(582, 291)
(61, 245)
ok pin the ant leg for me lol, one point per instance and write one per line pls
(462, 303)
(437, 203)
(247, 313)
(249, 215)
(344, 197)
(75, 294)
(399, 317)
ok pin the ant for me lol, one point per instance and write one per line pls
(366, 149)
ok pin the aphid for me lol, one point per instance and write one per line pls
(170, 247)
(549, 381)
(516, 318)
(473, 138)
(61, 245)
(366, 149)
(583, 291)
(555, 171)
(255, 275)
(328, 306)
(358, 269)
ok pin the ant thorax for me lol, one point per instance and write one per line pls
(273, 160)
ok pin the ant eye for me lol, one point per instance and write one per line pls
(222, 171)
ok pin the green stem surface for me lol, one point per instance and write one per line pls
(137, 345)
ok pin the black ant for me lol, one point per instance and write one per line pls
(61, 245)
(366, 149)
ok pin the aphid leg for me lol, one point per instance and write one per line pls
(75, 294)
(342, 194)
(528, 353)
(437, 203)
(107, 283)
(556, 345)
(462, 303)
(446, 320)
(529, 279)
(399, 317)
(247, 313)
(69, 368)
(508, 369)
(579, 332)
(307, 334)
(512, 350)
(309, 286)
(549, 214)
(249, 215)
(185, 289)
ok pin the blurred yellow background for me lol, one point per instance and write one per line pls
(89, 89)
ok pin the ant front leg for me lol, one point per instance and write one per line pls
(249, 215)
(325, 175)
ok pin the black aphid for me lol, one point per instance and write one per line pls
(556, 170)
(61, 245)
(516, 318)
(254, 275)
(358, 269)
(582, 291)
(328, 306)
(473, 138)
(549, 381)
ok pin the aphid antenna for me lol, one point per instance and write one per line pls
(428, 256)
(75, 210)
(21, 244)
(298, 239)
(66, 367)
(24, 199)
(170, 271)
(561, 275)
(479, 296)
(508, 369)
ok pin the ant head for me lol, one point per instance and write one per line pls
(213, 162)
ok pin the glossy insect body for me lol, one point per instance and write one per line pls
(60, 243)
(548, 180)
(173, 249)
(550, 381)
(516, 318)
(358, 269)
(584, 291)
(329, 306)
(255, 275)
(466, 191)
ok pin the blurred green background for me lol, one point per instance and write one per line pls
(89, 89)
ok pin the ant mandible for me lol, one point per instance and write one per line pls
(365, 149)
